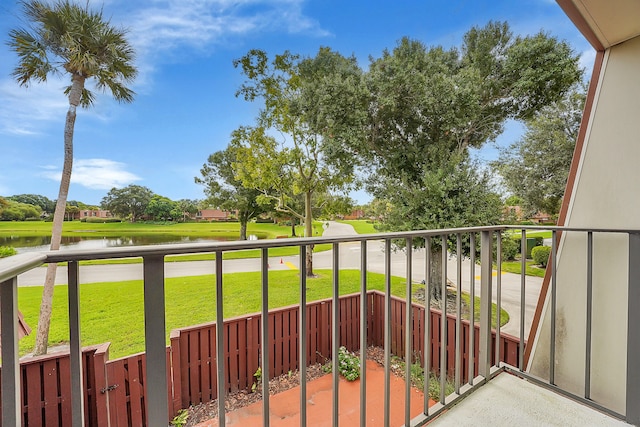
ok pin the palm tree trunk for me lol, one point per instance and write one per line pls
(44, 321)
(308, 232)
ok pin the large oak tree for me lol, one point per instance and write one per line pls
(429, 105)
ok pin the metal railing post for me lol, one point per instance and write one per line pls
(75, 347)
(303, 333)
(266, 365)
(427, 323)
(335, 335)
(387, 331)
(220, 350)
(363, 333)
(484, 357)
(11, 402)
(155, 341)
(408, 332)
(633, 332)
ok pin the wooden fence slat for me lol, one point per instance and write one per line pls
(64, 397)
(136, 390)
(50, 388)
(204, 367)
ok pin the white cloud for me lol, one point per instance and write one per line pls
(26, 110)
(203, 23)
(97, 174)
(23, 110)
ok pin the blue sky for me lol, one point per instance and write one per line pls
(185, 107)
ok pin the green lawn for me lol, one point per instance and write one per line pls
(114, 311)
(225, 230)
(518, 233)
(361, 226)
(222, 230)
(516, 267)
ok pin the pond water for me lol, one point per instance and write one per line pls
(41, 243)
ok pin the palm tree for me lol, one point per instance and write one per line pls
(66, 38)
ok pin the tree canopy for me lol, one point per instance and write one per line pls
(313, 103)
(225, 191)
(43, 202)
(535, 168)
(129, 202)
(426, 107)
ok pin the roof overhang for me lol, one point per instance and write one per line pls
(604, 23)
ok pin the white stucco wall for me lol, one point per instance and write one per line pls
(606, 194)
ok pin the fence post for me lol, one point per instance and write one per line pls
(155, 347)
(484, 357)
(11, 397)
(176, 374)
(100, 357)
(633, 332)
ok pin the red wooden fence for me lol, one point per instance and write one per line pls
(115, 389)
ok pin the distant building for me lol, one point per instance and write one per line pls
(213, 215)
(355, 214)
(86, 213)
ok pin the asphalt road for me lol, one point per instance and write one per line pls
(349, 258)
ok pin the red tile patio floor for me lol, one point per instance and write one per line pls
(284, 407)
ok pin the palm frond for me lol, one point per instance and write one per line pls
(67, 37)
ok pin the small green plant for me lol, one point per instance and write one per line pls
(348, 364)
(417, 379)
(180, 420)
(6, 251)
(258, 376)
(509, 248)
(540, 255)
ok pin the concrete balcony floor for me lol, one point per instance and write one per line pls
(508, 400)
(285, 407)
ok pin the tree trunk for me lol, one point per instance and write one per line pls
(44, 321)
(293, 226)
(243, 226)
(435, 267)
(308, 232)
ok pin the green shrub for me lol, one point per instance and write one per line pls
(510, 248)
(264, 221)
(540, 255)
(94, 219)
(6, 251)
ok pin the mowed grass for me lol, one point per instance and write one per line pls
(223, 230)
(113, 312)
(215, 230)
(515, 267)
(361, 226)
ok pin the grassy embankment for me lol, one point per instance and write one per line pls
(216, 230)
(114, 311)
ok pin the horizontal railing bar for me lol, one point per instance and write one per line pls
(17, 264)
(188, 248)
(14, 265)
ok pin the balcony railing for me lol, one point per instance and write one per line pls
(158, 410)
